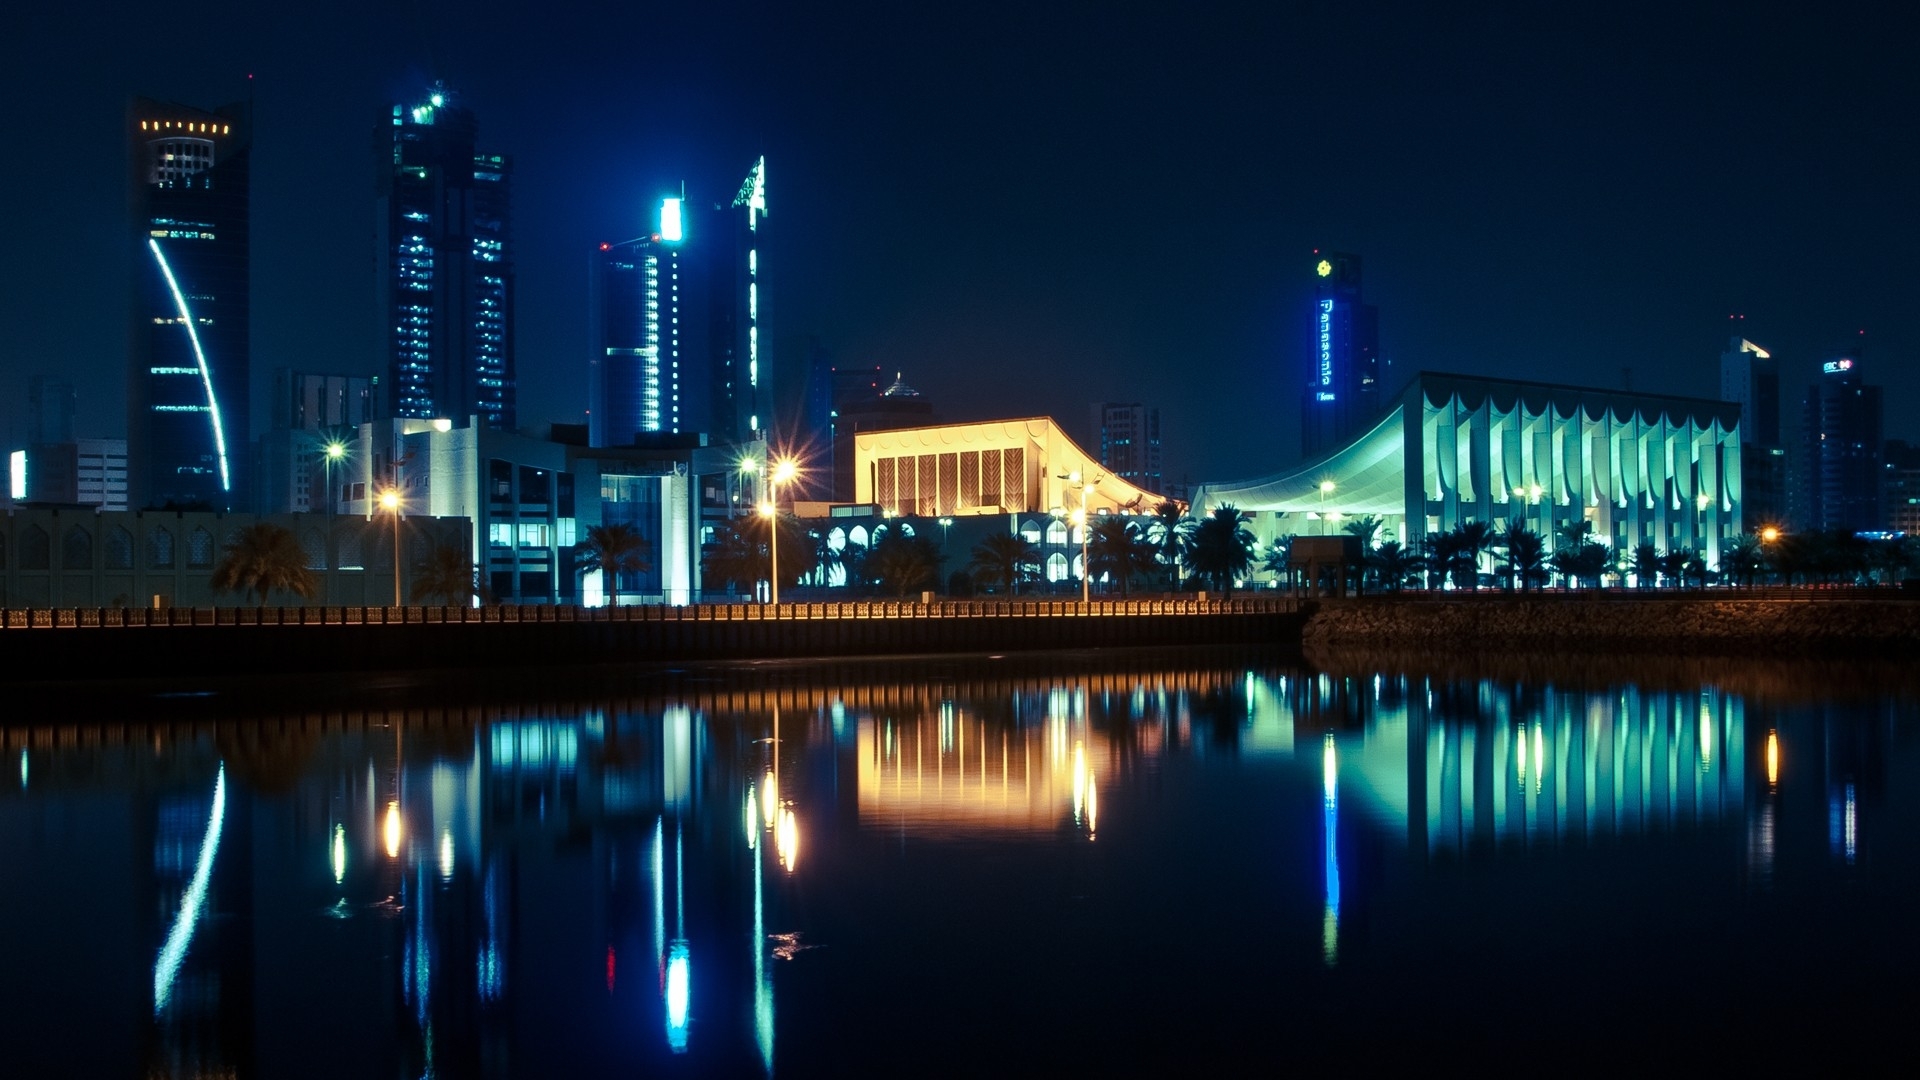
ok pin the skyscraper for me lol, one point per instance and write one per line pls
(634, 304)
(188, 355)
(446, 267)
(1841, 474)
(1750, 377)
(1130, 443)
(739, 379)
(1343, 383)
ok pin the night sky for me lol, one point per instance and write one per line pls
(1033, 208)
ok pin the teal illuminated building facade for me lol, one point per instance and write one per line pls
(634, 301)
(188, 344)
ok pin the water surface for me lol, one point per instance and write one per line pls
(1207, 860)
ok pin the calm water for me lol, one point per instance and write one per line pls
(1189, 861)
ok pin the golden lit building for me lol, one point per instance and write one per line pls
(993, 467)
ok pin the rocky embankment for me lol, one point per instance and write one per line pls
(1664, 625)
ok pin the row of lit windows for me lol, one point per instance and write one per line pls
(185, 125)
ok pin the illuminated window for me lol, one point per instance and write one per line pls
(1056, 567)
(533, 535)
(1057, 533)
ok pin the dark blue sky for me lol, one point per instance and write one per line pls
(1029, 208)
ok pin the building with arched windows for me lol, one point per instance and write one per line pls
(1639, 468)
(78, 558)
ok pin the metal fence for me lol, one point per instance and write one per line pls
(59, 618)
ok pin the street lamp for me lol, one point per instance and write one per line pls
(1326, 489)
(784, 471)
(1086, 520)
(390, 502)
(333, 453)
(946, 526)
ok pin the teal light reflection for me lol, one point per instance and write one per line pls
(174, 952)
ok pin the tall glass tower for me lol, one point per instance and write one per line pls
(188, 354)
(446, 267)
(739, 380)
(634, 304)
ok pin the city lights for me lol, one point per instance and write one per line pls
(390, 831)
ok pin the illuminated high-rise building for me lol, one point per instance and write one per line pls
(189, 352)
(634, 292)
(1343, 381)
(1750, 377)
(446, 267)
(1840, 474)
(739, 380)
(1130, 442)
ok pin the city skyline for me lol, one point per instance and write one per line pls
(970, 225)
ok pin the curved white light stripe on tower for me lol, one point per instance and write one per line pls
(181, 936)
(206, 376)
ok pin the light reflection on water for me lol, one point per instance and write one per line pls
(665, 867)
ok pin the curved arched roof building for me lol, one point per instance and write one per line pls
(1643, 468)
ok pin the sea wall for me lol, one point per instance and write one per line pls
(1653, 625)
(94, 644)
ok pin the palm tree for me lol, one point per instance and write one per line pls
(1584, 560)
(613, 550)
(1393, 565)
(447, 576)
(1470, 540)
(733, 557)
(1278, 560)
(1436, 557)
(1116, 549)
(1222, 547)
(1525, 561)
(1170, 533)
(1743, 558)
(1366, 527)
(1645, 565)
(903, 564)
(1005, 560)
(262, 558)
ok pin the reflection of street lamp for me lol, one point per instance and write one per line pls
(784, 472)
(390, 502)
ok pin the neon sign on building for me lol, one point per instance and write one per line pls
(1326, 344)
(1835, 367)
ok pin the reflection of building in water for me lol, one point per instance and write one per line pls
(1482, 765)
(949, 770)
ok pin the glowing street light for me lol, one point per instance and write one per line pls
(785, 471)
(331, 454)
(1769, 534)
(390, 502)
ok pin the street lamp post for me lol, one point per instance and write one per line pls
(946, 527)
(1086, 569)
(783, 472)
(390, 502)
(1326, 489)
